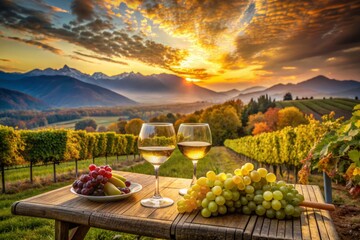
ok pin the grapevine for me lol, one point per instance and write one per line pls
(287, 146)
(338, 154)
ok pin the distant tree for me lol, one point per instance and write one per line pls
(89, 129)
(88, 122)
(297, 98)
(290, 116)
(113, 127)
(356, 98)
(102, 129)
(261, 105)
(134, 126)
(121, 126)
(288, 97)
(311, 97)
(223, 121)
(324, 97)
(330, 97)
(190, 118)
(118, 127)
(261, 127)
(254, 118)
(170, 117)
(272, 118)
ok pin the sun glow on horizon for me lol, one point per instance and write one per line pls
(192, 80)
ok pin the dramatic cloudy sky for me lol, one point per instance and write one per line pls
(219, 44)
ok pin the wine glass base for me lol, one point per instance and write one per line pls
(183, 191)
(157, 202)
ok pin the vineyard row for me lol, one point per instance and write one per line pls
(288, 146)
(18, 147)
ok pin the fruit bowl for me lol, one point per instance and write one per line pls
(134, 188)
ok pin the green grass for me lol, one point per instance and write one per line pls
(45, 171)
(100, 121)
(218, 160)
(30, 228)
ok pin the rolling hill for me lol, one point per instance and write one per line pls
(64, 91)
(320, 107)
(14, 100)
(318, 87)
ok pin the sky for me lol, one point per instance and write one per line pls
(218, 44)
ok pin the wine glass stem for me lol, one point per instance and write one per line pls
(194, 174)
(157, 192)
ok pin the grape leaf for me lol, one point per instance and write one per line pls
(354, 155)
(356, 113)
(343, 149)
(346, 128)
(324, 150)
(353, 133)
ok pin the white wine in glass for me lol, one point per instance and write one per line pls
(156, 143)
(194, 142)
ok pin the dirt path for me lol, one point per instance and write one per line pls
(346, 220)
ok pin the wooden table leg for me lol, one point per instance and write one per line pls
(69, 231)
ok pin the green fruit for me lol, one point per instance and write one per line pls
(117, 182)
(280, 214)
(260, 210)
(110, 189)
(289, 209)
(252, 205)
(246, 210)
(270, 213)
(205, 212)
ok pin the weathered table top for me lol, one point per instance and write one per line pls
(129, 216)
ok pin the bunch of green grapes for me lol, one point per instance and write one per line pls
(246, 191)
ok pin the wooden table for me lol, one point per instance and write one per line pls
(74, 216)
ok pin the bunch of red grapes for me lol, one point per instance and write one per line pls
(93, 182)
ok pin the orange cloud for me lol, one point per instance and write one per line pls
(289, 68)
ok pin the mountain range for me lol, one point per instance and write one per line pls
(165, 88)
(317, 87)
(64, 91)
(69, 87)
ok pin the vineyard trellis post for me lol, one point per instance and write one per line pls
(31, 171)
(3, 178)
(54, 168)
(327, 188)
(76, 168)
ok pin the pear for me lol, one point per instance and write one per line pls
(111, 189)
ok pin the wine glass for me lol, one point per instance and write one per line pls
(194, 142)
(156, 143)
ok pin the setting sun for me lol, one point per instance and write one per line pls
(192, 80)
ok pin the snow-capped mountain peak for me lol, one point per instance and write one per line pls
(100, 75)
(64, 71)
